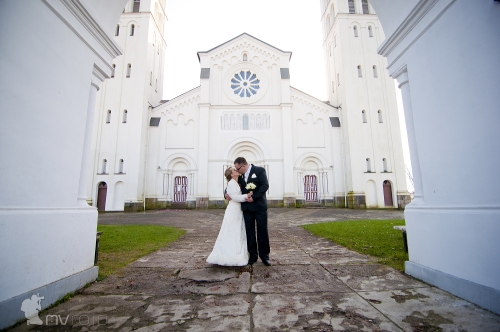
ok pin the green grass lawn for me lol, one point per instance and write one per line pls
(122, 244)
(372, 237)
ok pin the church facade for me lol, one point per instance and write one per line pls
(345, 152)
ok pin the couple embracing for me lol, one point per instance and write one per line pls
(236, 244)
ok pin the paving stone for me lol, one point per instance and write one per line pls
(290, 257)
(313, 284)
(339, 255)
(431, 309)
(295, 278)
(165, 259)
(317, 312)
(139, 281)
(373, 277)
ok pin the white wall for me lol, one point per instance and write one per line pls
(446, 57)
(44, 95)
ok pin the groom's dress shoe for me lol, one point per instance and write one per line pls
(266, 262)
(251, 262)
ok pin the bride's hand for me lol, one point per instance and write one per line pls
(250, 194)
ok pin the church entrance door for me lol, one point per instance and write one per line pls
(388, 194)
(180, 189)
(101, 196)
(310, 188)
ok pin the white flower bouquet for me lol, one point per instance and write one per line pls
(250, 187)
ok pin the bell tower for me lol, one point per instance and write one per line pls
(123, 105)
(358, 83)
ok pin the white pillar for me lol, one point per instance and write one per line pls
(97, 78)
(404, 84)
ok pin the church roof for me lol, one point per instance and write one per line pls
(243, 34)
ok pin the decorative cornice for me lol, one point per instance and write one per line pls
(98, 75)
(414, 26)
(83, 16)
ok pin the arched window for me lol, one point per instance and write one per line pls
(370, 31)
(355, 28)
(117, 31)
(137, 5)
(108, 117)
(364, 5)
(132, 28)
(120, 166)
(124, 116)
(368, 165)
(113, 71)
(245, 57)
(104, 163)
(352, 9)
(375, 74)
(129, 69)
(245, 121)
(363, 116)
(380, 120)
(360, 73)
(384, 164)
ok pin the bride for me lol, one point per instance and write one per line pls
(230, 248)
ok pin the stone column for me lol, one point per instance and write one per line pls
(404, 84)
(97, 78)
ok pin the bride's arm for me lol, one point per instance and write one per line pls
(233, 190)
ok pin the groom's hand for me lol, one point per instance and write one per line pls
(227, 197)
(249, 199)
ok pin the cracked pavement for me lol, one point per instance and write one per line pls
(313, 285)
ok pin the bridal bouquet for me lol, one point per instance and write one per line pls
(250, 187)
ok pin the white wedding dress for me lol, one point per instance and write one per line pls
(230, 248)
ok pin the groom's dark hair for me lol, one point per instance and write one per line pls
(240, 161)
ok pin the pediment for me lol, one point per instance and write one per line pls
(244, 43)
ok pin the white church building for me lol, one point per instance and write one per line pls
(345, 152)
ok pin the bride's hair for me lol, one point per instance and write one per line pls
(228, 173)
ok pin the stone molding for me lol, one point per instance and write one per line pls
(90, 25)
(421, 18)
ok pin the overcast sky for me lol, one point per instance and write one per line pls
(199, 25)
(290, 25)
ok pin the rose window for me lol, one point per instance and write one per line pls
(245, 84)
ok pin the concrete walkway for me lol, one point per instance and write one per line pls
(313, 285)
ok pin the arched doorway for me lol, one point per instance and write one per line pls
(180, 189)
(388, 193)
(310, 188)
(102, 191)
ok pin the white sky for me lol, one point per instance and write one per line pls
(199, 25)
(290, 25)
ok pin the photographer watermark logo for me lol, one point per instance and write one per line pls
(31, 307)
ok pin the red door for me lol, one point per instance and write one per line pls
(388, 194)
(101, 196)
(180, 189)
(310, 188)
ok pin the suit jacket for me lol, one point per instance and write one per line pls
(259, 193)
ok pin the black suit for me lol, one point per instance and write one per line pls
(256, 213)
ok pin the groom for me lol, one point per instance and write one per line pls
(254, 209)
